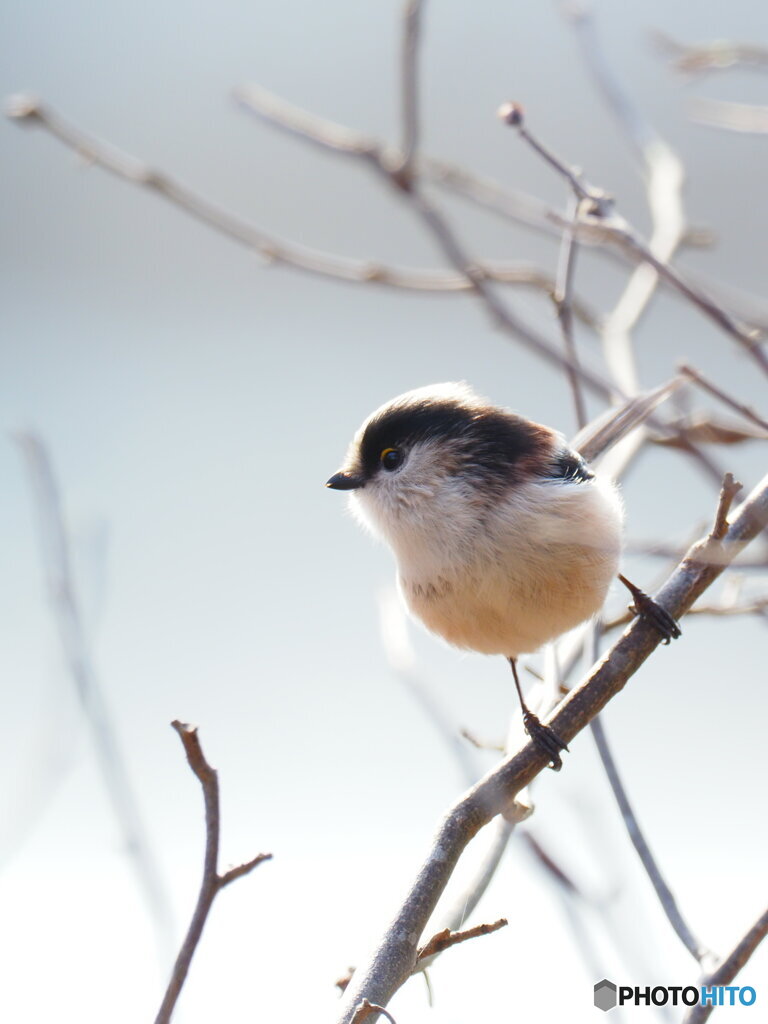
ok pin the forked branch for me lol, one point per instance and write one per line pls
(213, 881)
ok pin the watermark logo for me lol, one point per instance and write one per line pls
(605, 995)
(608, 995)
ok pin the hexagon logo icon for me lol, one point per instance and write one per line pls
(605, 995)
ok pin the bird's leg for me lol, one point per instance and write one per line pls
(546, 739)
(652, 612)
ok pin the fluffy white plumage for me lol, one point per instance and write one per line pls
(499, 549)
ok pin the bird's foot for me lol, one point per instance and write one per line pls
(652, 612)
(546, 739)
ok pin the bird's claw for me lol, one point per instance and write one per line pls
(546, 739)
(652, 612)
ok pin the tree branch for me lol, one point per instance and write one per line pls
(667, 900)
(446, 938)
(394, 960)
(730, 966)
(212, 881)
(698, 378)
(65, 605)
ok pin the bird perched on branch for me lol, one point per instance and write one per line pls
(504, 537)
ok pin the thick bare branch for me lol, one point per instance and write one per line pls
(394, 960)
(730, 966)
(212, 881)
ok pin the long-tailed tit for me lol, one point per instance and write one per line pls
(504, 537)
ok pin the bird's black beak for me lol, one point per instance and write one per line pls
(345, 481)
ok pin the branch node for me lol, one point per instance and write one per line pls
(446, 938)
(728, 492)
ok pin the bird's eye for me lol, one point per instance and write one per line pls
(391, 458)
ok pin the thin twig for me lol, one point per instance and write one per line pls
(62, 594)
(445, 939)
(272, 249)
(651, 867)
(599, 223)
(596, 201)
(212, 882)
(758, 606)
(703, 382)
(365, 1009)
(728, 492)
(664, 181)
(550, 865)
(730, 966)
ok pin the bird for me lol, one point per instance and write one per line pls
(504, 537)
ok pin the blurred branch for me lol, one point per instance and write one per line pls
(663, 892)
(730, 966)
(717, 56)
(394, 960)
(411, 108)
(28, 110)
(664, 176)
(746, 411)
(213, 882)
(62, 594)
(566, 272)
(745, 118)
(386, 163)
(599, 223)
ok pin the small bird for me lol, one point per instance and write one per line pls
(504, 538)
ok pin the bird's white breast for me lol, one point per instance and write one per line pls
(506, 577)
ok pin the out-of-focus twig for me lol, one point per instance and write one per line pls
(664, 181)
(566, 272)
(663, 892)
(729, 967)
(703, 382)
(409, 97)
(720, 55)
(393, 961)
(28, 110)
(744, 118)
(213, 881)
(386, 164)
(600, 223)
(65, 605)
(728, 492)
